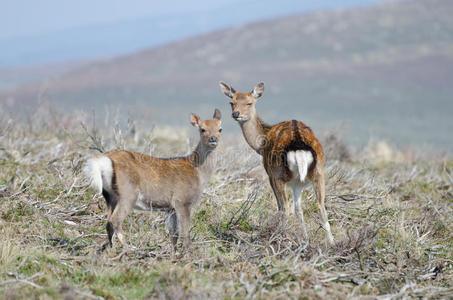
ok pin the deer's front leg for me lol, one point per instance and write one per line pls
(183, 215)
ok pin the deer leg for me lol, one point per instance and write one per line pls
(111, 201)
(110, 236)
(183, 216)
(297, 195)
(320, 188)
(121, 211)
(278, 186)
(172, 225)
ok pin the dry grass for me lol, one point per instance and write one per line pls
(391, 220)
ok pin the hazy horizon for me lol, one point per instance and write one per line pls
(51, 31)
(371, 68)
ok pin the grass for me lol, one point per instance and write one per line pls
(391, 217)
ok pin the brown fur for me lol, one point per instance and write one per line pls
(274, 142)
(280, 139)
(171, 184)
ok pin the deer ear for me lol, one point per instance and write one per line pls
(258, 90)
(195, 120)
(217, 114)
(226, 89)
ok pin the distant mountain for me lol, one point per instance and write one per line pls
(12, 78)
(115, 38)
(384, 71)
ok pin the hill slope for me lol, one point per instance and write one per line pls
(384, 71)
(112, 38)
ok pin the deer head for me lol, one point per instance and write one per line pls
(242, 104)
(210, 130)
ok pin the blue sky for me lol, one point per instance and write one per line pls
(24, 17)
(45, 31)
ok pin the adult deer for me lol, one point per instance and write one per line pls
(292, 155)
(133, 180)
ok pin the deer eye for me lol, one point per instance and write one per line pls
(220, 130)
(203, 130)
(249, 104)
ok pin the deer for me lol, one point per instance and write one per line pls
(131, 180)
(292, 155)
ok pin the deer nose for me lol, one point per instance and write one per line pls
(213, 139)
(235, 114)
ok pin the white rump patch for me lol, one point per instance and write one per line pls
(99, 171)
(298, 162)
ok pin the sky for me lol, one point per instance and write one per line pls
(24, 17)
(47, 31)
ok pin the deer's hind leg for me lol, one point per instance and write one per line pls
(278, 187)
(320, 188)
(171, 220)
(111, 201)
(298, 211)
(122, 209)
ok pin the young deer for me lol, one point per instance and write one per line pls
(291, 153)
(133, 180)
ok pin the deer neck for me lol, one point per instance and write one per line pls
(202, 159)
(255, 131)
